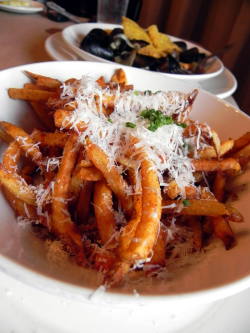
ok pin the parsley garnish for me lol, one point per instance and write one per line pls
(156, 119)
(110, 120)
(131, 125)
(186, 203)
(183, 125)
(136, 93)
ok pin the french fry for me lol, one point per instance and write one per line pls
(89, 174)
(223, 231)
(103, 206)
(24, 140)
(148, 228)
(213, 165)
(195, 224)
(195, 207)
(62, 225)
(111, 174)
(17, 186)
(42, 80)
(63, 120)
(159, 249)
(240, 143)
(56, 139)
(210, 152)
(31, 95)
(11, 157)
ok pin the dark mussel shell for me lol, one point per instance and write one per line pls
(170, 65)
(145, 62)
(97, 42)
(191, 55)
(182, 45)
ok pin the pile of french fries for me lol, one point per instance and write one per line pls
(68, 187)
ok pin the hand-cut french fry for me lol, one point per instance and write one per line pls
(172, 191)
(214, 165)
(119, 76)
(194, 207)
(103, 206)
(24, 140)
(63, 119)
(89, 173)
(56, 139)
(240, 143)
(31, 95)
(62, 224)
(243, 155)
(20, 207)
(219, 185)
(216, 143)
(17, 186)
(210, 152)
(42, 80)
(148, 228)
(111, 174)
(159, 249)
(11, 157)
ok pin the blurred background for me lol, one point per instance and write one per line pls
(215, 24)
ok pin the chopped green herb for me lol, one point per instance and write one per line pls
(186, 203)
(156, 119)
(183, 125)
(110, 120)
(136, 93)
(131, 125)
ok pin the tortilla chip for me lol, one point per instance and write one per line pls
(133, 31)
(161, 41)
(151, 51)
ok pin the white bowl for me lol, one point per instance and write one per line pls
(219, 274)
(74, 34)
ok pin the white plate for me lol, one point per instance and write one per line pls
(219, 274)
(223, 85)
(74, 34)
(34, 7)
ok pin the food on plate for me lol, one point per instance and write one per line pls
(21, 3)
(144, 48)
(124, 179)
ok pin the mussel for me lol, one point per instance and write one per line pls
(191, 55)
(97, 42)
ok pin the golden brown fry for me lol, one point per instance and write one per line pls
(17, 186)
(103, 206)
(159, 249)
(119, 76)
(31, 95)
(148, 228)
(210, 152)
(111, 174)
(56, 139)
(20, 207)
(195, 207)
(11, 157)
(240, 143)
(63, 120)
(62, 225)
(213, 165)
(90, 174)
(42, 80)
(24, 140)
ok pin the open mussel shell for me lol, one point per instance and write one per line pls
(191, 55)
(97, 42)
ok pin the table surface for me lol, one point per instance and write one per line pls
(22, 41)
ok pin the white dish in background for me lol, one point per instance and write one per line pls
(223, 85)
(174, 303)
(35, 7)
(74, 34)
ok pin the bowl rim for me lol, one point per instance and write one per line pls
(73, 292)
(82, 53)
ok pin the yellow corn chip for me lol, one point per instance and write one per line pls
(133, 31)
(161, 41)
(151, 51)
